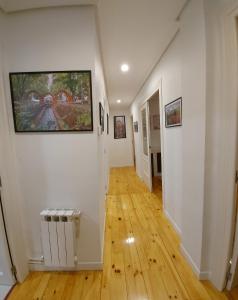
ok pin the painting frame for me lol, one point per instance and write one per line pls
(135, 126)
(173, 118)
(13, 102)
(155, 122)
(101, 116)
(107, 123)
(116, 135)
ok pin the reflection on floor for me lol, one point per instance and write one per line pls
(4, 290)
(142, 259)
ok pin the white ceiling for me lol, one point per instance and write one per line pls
(132, 31)
(136, 32)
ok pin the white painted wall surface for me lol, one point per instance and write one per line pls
(10, 192)
(103, 139)
(221, 136)
(169, 71)
(120, 149)
(6, 277)
(57, 170)
(193, 57)
(182, 71)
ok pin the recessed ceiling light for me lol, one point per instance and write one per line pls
(119, 101)
(125, 68)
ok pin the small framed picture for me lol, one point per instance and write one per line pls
(155, 122)
(135, 126)
(119, 127)
(101, 115)
(107, 124)
(173, 113)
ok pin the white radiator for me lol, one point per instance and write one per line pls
(58, 234)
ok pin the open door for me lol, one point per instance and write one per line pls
(146, 161)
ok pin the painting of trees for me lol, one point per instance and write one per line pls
(52, 101)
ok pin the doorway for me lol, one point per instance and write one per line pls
(155, 143)
(151, 143)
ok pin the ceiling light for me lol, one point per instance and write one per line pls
(125, 68)
(119, 101)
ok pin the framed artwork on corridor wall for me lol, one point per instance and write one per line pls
(119, 127)
(52, 101)
(107, 123)
(135, 124)
(173, 113)
(101, 116)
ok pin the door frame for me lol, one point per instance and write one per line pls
(145, 106)
(159, 90)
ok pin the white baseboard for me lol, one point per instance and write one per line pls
(90, 266)
(82, 266)
(201, 275)
(205, 275)
(177, 229)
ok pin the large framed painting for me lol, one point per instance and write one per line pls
(119, 127)
(53, 101)
(173, 113)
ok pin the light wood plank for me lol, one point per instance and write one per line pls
(149, 266)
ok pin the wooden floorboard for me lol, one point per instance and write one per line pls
(142, 258)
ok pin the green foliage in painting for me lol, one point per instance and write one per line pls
(52, 101)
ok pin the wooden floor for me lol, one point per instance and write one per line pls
(141, 256)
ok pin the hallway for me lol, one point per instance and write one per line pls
(142, 259)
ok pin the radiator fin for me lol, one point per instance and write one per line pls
(58, 236)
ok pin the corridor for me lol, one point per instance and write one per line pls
(141, 255)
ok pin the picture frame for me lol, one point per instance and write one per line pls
(135, 125)
(155, 122)
(101, 116)
(119, 127)
(107, 123)
(173, 113)
(51, 101)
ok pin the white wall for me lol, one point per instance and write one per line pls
(10, 192)
(58, 170)
(169, 71)
(194, 115)
(121, 154)
(182, 72)
(221, 135)
(103, 139)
